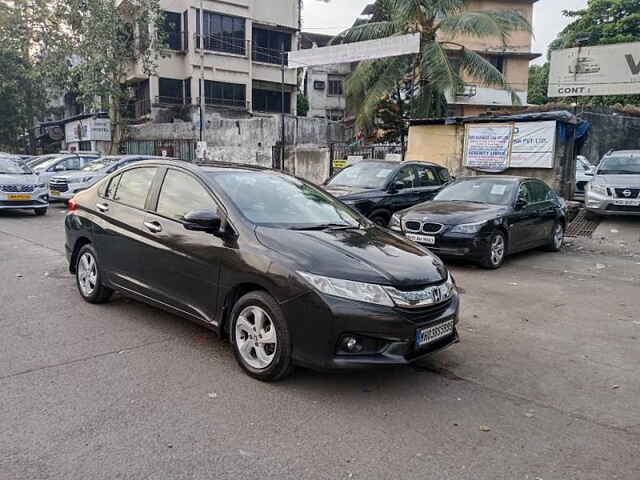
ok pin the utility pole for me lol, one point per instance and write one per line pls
(283, 138)
(202, 90)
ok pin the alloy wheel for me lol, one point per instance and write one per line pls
(87, 274)
(497, 250)
(256, 337)
(558, 236)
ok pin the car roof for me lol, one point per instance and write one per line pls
(623, 153)
(513, 178)
(394, 164)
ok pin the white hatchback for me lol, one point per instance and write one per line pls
(20, 188)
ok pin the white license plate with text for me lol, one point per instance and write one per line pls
(627, 203)
(426, 239)
(428, 335)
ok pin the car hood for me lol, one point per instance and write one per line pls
(453, 213)
(9, 179)
(370, 255)
(618, 180)
(80, 175)
(343, 191)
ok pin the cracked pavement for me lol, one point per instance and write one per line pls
(544, 384)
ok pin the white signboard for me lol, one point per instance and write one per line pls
(356, 52)
(603, 70)
(534, 145)
(89, 129)
(487, 147)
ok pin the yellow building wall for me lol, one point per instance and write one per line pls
(441, 144)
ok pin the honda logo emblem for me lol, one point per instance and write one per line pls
(437, 295)
(627, 193)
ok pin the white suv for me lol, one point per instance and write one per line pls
(615, 188)
(21, 188)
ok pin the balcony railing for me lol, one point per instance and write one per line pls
(165, 100)
(269, 55)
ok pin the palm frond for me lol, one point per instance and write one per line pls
(438, 68)
(485, 23)
(366, 31)
(478, 67)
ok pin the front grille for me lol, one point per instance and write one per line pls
(623, 208)
(17, 188)
(630, 192)
(59, 185)
(424, 314)
(432, 227)
(413, 226)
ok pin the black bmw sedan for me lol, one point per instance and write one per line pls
(486, 218)
(286, 272)
(378, 188)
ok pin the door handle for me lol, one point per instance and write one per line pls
(153, 227)
(103, 207)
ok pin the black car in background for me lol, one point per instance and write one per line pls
(288, 273)
(486, 218)
(378, 188)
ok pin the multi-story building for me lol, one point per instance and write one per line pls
(324, 84)
(237, 56)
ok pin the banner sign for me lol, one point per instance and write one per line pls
(89, 129)
(487, 147)
(602, 70)
(356, 52)
(534, 145)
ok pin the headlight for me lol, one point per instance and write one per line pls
(361, 292)
(423, 298)
(87, 179)
(599, 189)
(396, 223)
(468, 228)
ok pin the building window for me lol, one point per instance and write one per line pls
(270, 101)
(335, 87)
(268, 45)
(497, 61)
(225, 94)
(171, 91)
(335, 115)
(222, 33)
(318, 85)
(172, 30)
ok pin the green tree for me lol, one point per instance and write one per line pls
(441, 64)
(538, 84)
(603, 22)
(303, 105)
(107, 39)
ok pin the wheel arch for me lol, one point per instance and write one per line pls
(380, 212)
(230, 300)
(80, 242)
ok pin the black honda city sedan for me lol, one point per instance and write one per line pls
(486, 218)
(378, 188)
(286, 272)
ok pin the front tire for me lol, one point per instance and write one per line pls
(496, 252)
(260, 337)
(380, 220)
(557, 238)
(89, 277)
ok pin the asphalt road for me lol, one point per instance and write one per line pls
(544, 385)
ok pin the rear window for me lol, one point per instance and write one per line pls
(133, 187)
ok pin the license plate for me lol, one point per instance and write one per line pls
(54, 192)
(428, 335)
(19, 196)
(627, 203)
(426, 239)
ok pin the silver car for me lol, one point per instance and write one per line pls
(615, 188)
(20, 187)
(64, 187)
(65, 162)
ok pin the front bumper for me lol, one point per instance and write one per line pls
(318, 323)
(37, 199)
(605, 205)
(66, 192)
(473, 246)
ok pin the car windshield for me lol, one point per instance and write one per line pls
(100, 164)
(272, 200)
(13, 167)
(363, 175)
(627, 165)
(479, 190)
(45, 165)
(41, 159)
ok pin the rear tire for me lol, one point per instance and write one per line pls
(496, 252)
(40, 211)
(89, 277)
(260, 337)
(380, 220)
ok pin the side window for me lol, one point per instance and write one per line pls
(539, 192)
(134, 186)
(112, 187)
(85, 160)
(407, 176)
(180, 194)
(72, 163)
(524, 193)
(444, 175)
(425, 177)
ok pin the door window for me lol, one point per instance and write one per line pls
(180, 194)
(425, 177)
(112, 187)
(71, 163)
(539, 192)
(407, 177)
(134, 186)
(524, 193)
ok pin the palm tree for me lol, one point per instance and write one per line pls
(440, 66)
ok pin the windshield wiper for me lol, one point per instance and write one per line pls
(328, 226)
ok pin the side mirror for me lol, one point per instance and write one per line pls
(520, 204)
(396, 186)
(203, 221)
(591, 172)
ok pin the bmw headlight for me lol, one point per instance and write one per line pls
(598, 189)
(468, 228)
(396, 223)
(358, 291)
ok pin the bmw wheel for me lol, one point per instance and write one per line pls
(494, 256)
(260, 337)
(89, 277)
(557, 238)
